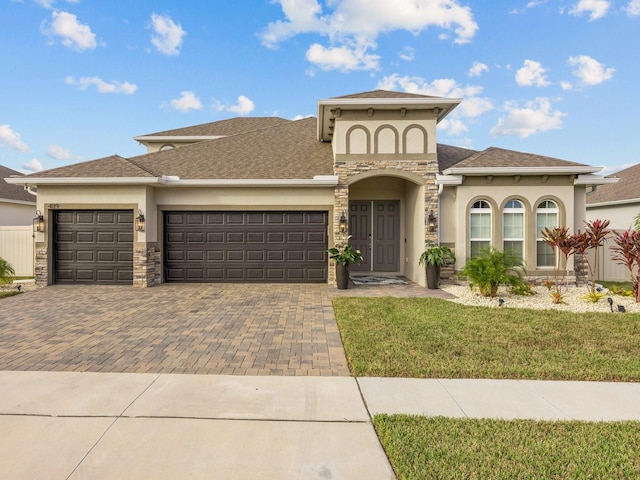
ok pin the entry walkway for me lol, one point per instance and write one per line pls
(165, 426)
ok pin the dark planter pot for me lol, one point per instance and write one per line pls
(342, 276)
(433, 276)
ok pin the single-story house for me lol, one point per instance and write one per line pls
(261, 199)
(620, 204)
(17, 205)
(17, 213)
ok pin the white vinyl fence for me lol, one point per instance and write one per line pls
(17, 248)
(607, 269)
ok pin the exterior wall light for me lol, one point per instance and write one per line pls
(432, 222)
(38, 222)
(140, 221)
(343, 223)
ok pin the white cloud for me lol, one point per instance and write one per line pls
(168, 35)
(453, 126)
(74, 34)
(244, 106)
(566, 85)
(49, 3)
(535, 116)
(83, 83)
(11, 139)
(342, 58)
(589, 70)
(352, 26)
(407, 54)
(33, 165)
(477, 69)
(60, 153)
(595, 8)
(633, 8)
(472, 105)
(532, 73)
(187, 101)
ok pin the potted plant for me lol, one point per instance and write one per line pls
(344, 256)
(433, 258)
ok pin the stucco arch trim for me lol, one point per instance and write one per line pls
(409, 130)
(387, 172)
(376, 138)
(354, 129)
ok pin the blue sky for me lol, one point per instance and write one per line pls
(80, 78)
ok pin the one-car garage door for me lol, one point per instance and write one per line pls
(93, 246)
(287, 247)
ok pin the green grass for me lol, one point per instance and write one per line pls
(441, 448)
(433, 338)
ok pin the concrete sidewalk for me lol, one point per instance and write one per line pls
(110, 425)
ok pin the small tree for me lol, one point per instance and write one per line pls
(561, 243)
(627, 252)
(591, 239)
(6, 271)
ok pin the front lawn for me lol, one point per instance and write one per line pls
(444, 448)
(434, 338)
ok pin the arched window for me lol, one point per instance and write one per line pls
(546, 217)
(479, 227)
(513, 228)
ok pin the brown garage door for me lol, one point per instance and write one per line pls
(93, 246)
(245, 247)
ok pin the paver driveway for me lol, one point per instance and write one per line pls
(195, 328)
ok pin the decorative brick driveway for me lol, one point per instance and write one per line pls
(196, 328)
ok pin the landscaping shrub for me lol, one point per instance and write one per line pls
(492, 269)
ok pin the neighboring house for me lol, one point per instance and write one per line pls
(17, 211)
(261, 199)
(620, 204)
(17, 206)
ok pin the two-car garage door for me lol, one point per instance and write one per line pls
(255, 246)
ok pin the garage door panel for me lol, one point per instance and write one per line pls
(247, 247)
(93, 246)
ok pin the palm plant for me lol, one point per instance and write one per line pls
(6, 271)
(492, 269)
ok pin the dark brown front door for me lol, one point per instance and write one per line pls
(93, 246)
(284, 247)
(374, 226)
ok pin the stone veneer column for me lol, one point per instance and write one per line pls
(144, 265)
(42, 265)
(345, 169)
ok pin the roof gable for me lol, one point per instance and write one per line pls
(384, 94)
(114, 166)
(286, 151)
(497, 158)
(231, 126)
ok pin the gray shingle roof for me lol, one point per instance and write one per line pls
(232, 126)
(384, 94)
(494, 157)
(113, 166)
(13, 192)
(286, 151)
(627, 188)
(448, 156)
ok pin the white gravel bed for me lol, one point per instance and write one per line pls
(574, 301)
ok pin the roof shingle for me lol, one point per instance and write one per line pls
(232, 126)
(494, 157)
(13, 192)
(627, 188)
